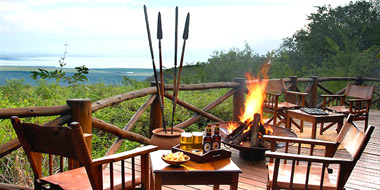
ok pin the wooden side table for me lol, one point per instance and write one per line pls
(221, 172)
(315, 119)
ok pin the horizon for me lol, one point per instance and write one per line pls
(110, 34)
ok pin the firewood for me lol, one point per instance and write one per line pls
(255, 130)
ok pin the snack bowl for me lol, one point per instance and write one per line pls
(175, 159)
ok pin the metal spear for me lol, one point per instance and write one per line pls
(159, 37)
(185, 36)
(175, 65)
(154, 68)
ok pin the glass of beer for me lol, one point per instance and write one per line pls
(197, 141)
(186, 141)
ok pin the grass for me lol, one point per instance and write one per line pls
(15, 168)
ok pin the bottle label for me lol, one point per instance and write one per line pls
(206, 147)
(216, 145)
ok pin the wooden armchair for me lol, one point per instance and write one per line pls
(312, 172)
(276, 107)
(359, 106)
(70, 142)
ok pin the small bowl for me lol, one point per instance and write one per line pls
(175, 163)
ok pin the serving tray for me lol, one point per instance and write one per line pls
(213, 155)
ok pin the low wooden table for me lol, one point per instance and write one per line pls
(315, 119)
(221, 172)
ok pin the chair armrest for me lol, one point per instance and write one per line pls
(320, 159)
(359, 100)
(271, 138)
(332, 95)
(296, 93)
(273, 94)
(124, 155)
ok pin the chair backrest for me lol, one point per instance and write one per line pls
(277, 86)
(359, 91)
(354, 141)
(57, 140)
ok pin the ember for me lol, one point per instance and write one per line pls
(249, 133)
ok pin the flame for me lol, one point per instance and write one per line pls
(231, 127)
(255, 97)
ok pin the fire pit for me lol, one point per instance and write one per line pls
(246, 150)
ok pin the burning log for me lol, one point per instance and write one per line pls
(238, 131)
(255, 129)
(253, 135)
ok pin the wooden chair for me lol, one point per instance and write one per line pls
(312, 173)
(70, 142)
(273, 104)
(359, 106)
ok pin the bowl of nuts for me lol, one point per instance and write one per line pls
(175, 159)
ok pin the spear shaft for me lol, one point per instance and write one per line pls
(185, 37)
(154, 67)
(175, 66)
(159, 37)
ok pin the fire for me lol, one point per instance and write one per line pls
(255, 98)
(231, 127)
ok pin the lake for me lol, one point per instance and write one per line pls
(103, 75)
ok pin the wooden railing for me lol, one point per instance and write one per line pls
(81, 109)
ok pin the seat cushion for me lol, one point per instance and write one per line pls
(287, 105)
(78, 179)
(339, 109)
(284, 174)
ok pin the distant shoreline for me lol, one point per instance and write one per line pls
(96, 75)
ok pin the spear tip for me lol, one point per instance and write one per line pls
(186, 30)
(159, 27)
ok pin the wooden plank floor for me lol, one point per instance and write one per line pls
(366, 174)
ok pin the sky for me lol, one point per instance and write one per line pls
(112, 33)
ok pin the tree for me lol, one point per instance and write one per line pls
(342, 40)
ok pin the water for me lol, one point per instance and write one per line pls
(106, 76)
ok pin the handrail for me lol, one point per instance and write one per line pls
(64, 110)
(237, 87)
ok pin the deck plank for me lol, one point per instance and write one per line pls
(366, 174)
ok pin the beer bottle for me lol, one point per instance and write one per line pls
(216, 139)
(207, 140)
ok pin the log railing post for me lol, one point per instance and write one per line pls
(293, 83)
(155, 120)
(238, 99)
(313, 92)
(81, 111)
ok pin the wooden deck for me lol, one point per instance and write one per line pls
(366, 174)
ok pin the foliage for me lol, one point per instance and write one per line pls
(341, 41)
(59, 75)
(222, 66)
(15, 168)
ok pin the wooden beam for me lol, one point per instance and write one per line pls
(122, 97)
(204, 86)
(119, 141)
(34, 111)
(115, 130)
(207, 108)
(193, 108)
(9, 147)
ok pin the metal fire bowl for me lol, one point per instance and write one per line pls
(277, 131)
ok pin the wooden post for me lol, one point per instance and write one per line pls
(81, 111)
(293, 82)
(313, 92)
(155, 114)
(238, 99)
